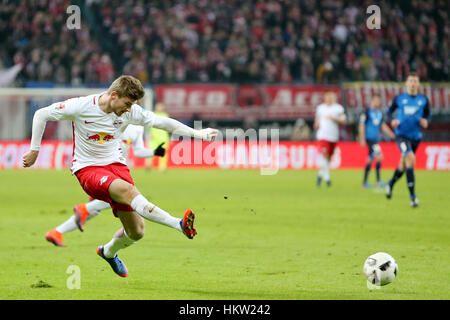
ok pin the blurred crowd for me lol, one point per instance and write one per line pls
(244, 41)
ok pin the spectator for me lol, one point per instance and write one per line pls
(105, 70)
(237, 41)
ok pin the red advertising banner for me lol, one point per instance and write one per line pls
(358, 94)
(279, 101)
(234, 102)
(298, 155)
(52, 155)
(295, 101)
(240, 155)
(206, 101)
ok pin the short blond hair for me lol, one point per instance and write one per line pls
(127, 86)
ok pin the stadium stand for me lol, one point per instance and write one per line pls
(243, 41)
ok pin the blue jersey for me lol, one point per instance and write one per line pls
(372, 120)
(409, 111)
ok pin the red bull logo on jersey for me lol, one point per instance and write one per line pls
(101, 137)
(117, 123)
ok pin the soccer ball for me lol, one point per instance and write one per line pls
(380, 269)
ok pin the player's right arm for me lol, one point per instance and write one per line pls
(65, 110)
(385, 128)
(362, 129)
(316, 124)
(139, 149)
(317, 119)
(390, 113)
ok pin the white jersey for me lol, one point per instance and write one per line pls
(328, 129)
(96, 134)
(134, 136)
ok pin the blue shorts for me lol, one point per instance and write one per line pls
(374, 148)
(407, 145)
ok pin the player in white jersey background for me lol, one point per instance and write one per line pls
(329, 115)
(133, 136)
(99, 165)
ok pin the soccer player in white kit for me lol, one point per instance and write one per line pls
(132, 136)
(98, 163)
(329, 115)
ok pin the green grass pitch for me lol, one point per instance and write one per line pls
(259, 238)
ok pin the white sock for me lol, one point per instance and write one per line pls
(67, 226)
(326, 170)
(96, 205)
(119, 241)
(322, 163)
(151, 212)
(93, 207)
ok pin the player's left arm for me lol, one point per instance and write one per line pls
(149, 119)
(426, 116)
(175, 126)
(341, 118)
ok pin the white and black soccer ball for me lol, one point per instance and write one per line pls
(380, 269)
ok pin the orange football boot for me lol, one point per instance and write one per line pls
(81, 214)
(187, 224)
(55, 237)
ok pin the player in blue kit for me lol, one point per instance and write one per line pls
(412, 114)
(370, 124)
